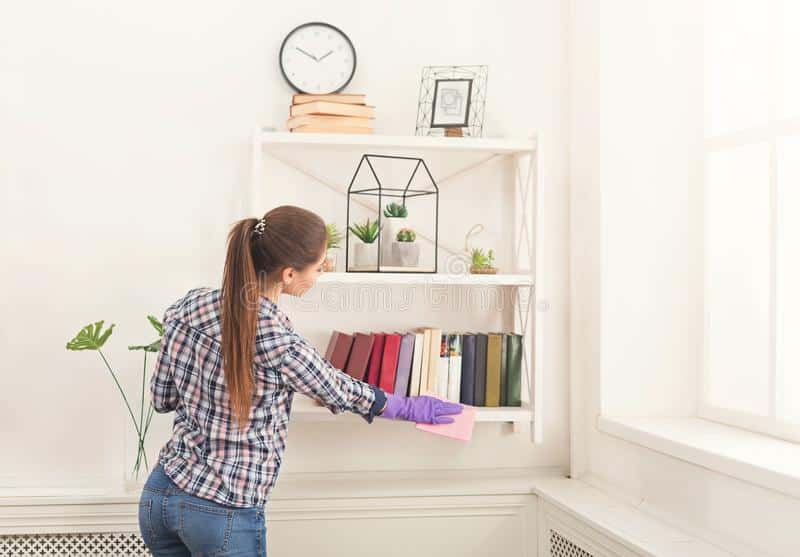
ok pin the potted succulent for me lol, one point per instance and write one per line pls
(482, 263)
(405, 251)
(365, 252)
(394, 219)
(332, 246)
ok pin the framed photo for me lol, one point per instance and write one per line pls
(451, 99)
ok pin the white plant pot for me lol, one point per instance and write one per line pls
(390, 226)
(405, 254)
(365, 255)
(330, 260)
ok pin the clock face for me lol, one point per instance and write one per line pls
(317, 58)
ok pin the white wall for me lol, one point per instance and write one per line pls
(650, 126)
(635, 124)
(125, 132)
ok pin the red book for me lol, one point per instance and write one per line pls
(341, 350)
(331, 345)
(359, 356)
(391, 349)
(375, 358)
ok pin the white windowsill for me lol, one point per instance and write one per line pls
(758, 459)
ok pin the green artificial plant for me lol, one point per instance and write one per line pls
(394, 209)
(481, 259)
(93, 337)
(406, 235)
(367, 231)
(333, 234)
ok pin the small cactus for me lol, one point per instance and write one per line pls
(406, 235)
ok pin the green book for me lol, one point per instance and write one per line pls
(514, 370)
(481, 343)
(503, 369)
(493, 357)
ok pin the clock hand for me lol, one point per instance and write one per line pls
(325, 56)
(307, 54)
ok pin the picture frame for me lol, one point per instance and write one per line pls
(452, 100)
(450, 107)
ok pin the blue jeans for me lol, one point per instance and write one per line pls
(173, 522)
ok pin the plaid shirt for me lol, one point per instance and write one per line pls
(207, 455)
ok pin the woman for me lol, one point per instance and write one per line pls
(229, 364)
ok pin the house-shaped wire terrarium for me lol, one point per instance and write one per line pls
(392, 216)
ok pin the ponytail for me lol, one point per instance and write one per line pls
(286, 236)
(240, 297)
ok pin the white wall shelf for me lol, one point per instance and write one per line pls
(527, 223)
(499, 146)
(306, 410)
(413, 279)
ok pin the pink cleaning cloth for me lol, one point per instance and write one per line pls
(460, 429)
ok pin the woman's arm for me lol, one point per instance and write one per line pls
(306, 371)
(163, 393)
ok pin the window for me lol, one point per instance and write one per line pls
(751, 216)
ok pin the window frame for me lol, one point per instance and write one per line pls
(770, 134)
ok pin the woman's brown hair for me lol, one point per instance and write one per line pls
(290, 237)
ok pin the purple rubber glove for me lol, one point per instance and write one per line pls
(420, 409)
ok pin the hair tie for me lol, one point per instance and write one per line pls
(258, 229)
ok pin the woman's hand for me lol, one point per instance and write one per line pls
(420, 409)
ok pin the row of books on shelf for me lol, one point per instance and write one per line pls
(478, 369)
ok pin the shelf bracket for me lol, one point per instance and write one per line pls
(525, 257)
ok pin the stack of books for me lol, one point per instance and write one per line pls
(339, 113)
(478, 369)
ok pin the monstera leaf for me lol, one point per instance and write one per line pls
(91, 337)
(152, 347)
(157, 325)
(156, 344)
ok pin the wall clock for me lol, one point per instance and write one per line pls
(317, 58)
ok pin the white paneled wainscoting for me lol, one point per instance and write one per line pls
(513, 512)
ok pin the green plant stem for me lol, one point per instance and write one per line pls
(141, 452)
(141, 456)
(144, 433)
(125, 398)
(149, 417)
(141, 409)
(144, 455)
